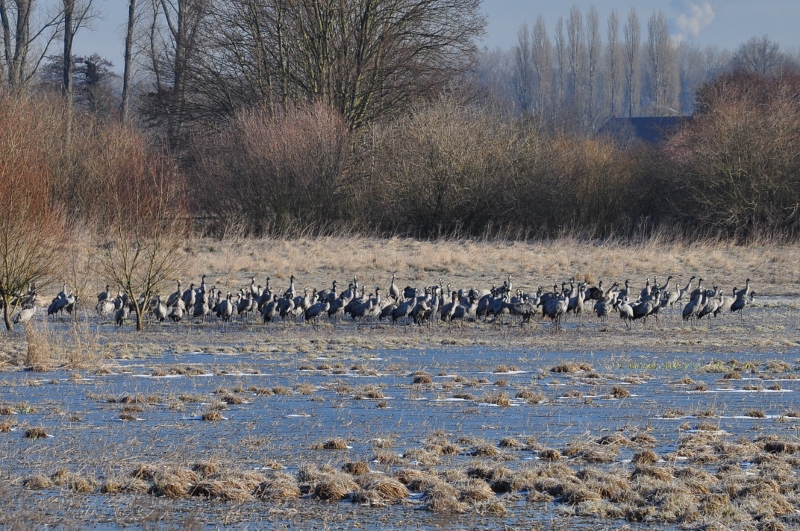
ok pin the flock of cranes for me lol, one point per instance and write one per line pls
(421, 305)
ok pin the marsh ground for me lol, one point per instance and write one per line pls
(663, 426)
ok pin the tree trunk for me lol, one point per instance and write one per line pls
(69, 34)
(126, 76)
(7, 315)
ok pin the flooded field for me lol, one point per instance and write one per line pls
(666, 426)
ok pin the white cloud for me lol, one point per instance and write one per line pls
(695, 17)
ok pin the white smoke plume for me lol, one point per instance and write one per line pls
(695, 17)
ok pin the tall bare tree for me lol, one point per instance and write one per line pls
(633, 38)
(524, 80)
(613, 66)
(365, 58)
(542, 52)
(144, 219)
(127, 72)
(577, 61)
(31, 224)
(19, 36)
(176, 32)
(594, 48)
(663, 68)
(75, 14)
(562, 65)
(760, 55)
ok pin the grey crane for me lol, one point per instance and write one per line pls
(24, 315)
(159, 310)
(394, 291)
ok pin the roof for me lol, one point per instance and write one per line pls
(649, 129)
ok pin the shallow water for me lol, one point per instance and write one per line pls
(327, 399)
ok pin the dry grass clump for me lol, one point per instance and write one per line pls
(335, 486)
(733, 375)
(549, 454)
(279, 486)
(6, 410)
(421, 456)
(422, 377)
(511, 442)
(756, 414)
(441, 497)
(646, 457)
(39, 351)
(116, 485)
(127, 417)
(232, 399)
(76, 482)
(337, 443)
(568, 366)
(212, 416)
(37, 482)
(620, 392)
(498, 399)
(371, 393)
(35, 433)
(230, 486)
(780, 447)
(206, 468)
(502, 369)
(173, 483)
(615, 438)
(777, 366)
(531, 396)
(356, 468)
(305, 389)
(6, 426)
(378, 489)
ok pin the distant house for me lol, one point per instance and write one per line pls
(649, 129)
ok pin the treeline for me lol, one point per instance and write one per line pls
(384, 118)
(446, 168)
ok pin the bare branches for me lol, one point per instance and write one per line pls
(31, 224)
(144, 220)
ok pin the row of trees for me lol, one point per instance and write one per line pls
(193, 64)
(576, 80)
(446, 168)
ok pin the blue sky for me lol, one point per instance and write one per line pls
(724, 23)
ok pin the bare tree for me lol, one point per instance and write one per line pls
(176, 32)
(577, 62)
(543, 66)
(31, 225)
(76, 14)
(127, 73)
(613, 69)
(663, 69)
(16, 19)
(562, 65)
(364, 58)
(145, 222)
(593, 49)
(760, 55)
(632, 66)
(523, 69)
